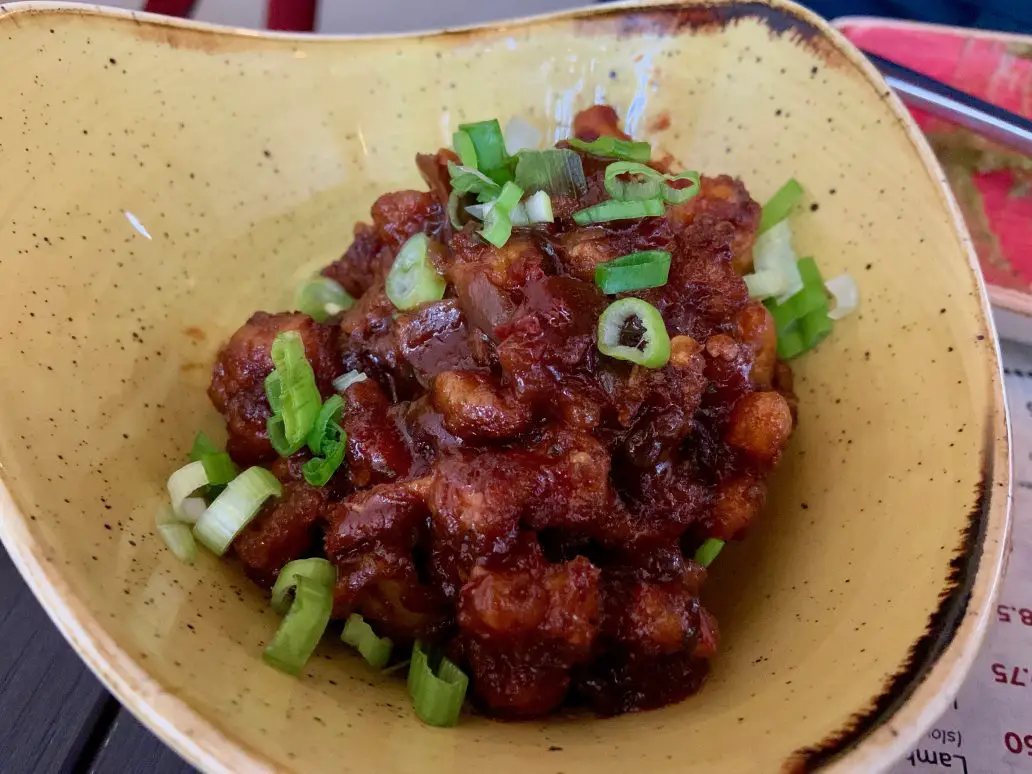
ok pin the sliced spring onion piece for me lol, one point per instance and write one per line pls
(437, 698)
(790, 343)
(321, 298)
(617, 324)
(648, 182)
(202, 445)
(292, 393)
(326, 428)
(471, 180)
(360, 635)
(454, 202)
(708, 551)
(319, 470)
(617, 210)
(520, 135)
(344, 381)
(613, 148)
(464, 148)
(180, 541)
(184, 482)
(536, 209)
(780, 204)
(413, 279)
(846, 294)
(479, 211)
(235, 507)
(219, 468)
(773, 254)
(320, 571)
(814, 327)
(635, 271)
(680, 195)
(765, 284)
(497, 224)
(489, 144)
(559, 171)
(192, 509)
(302, 627)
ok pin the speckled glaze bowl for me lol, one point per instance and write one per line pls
(161, 180)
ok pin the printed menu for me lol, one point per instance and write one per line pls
(988, 729)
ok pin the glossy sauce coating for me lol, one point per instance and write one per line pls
(510, 493)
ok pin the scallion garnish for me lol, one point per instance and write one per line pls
(344, 381)
(559, 171)
(177, 535)
(802, 320)
(470, 180)
(489, 145)
(437, 698)
(776, 274)
(413, 280)
(536, 209)
(320, 570)
(321, 298)
(202, 445)
(464, 148)
(360, 635)
(680, 195)
(636, 271)
(328, 440)
(302, 628)
(184, 482)
(520, 135)
(846, 294)
(708, 551)
(292, 393)
(617, 210)
(780, 204)
(612, 148)
(235, 507)
(497, 224)
(632, 329)
(648, 184)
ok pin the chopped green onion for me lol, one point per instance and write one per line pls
(326, 429)
(801, 320)
(497, 224)
(470, 180)
(652, 348)
(846, 294)
(774, 255)
(814, 327)
(235, 508)
(464, 148)
(413, 279)
(536, 209)
(559, 171)
(319, 470)
(681, 195)
(177, 535)
(489, 145)
(613, 148)
(219, 467)
(302, 628)
(202, 445)
(360, 635)
(437, 698)
(797, 306)
(344, 381)
(520, 135)
(184, 482)
(321, 298)
(454, 201)
(192, 509)
(780, 204)
(617, 210)
(292, 393)
(708, 551)
(790, 343)
(318, 570)
(636, 271)
(648, 185)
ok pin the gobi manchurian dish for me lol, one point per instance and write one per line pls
(502, 438)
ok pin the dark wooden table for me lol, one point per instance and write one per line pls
(57, 718)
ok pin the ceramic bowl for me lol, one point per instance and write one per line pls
(162, 180)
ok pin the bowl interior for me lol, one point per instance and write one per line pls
(163, 182)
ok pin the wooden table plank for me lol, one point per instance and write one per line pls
(131, 747)
(50, 703)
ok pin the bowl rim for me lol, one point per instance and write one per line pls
(872, 740)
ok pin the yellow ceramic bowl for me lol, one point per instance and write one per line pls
(850, 614)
